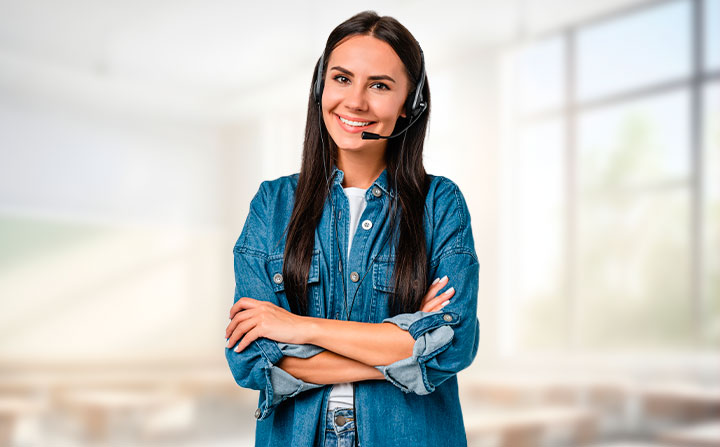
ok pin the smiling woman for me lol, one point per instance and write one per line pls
(354, 99)
(343, 318)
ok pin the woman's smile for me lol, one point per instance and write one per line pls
(353, 125)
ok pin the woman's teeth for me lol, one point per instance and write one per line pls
(355, 123)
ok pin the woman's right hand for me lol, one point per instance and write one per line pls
(434, 302)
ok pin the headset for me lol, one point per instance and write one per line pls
(415, 105)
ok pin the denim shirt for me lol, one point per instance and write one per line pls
(417, 404)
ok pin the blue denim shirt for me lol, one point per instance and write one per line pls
(418, 403)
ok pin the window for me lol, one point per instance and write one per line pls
(633, 195)
(634, 51)
(615, 203)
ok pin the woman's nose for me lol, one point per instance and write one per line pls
(356, 99)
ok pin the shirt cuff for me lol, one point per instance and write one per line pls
(285, 385)
(433, 333)
(300, 351)
(281, 385)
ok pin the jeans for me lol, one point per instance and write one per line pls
(340, 431)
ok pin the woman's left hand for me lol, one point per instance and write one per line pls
(251, 319)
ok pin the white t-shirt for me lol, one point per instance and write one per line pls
(341, 395)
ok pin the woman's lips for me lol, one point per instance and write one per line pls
(352, 129)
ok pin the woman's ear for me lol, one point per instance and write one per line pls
(405, 107)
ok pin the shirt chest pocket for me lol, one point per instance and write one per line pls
(383, 287)
(277, 281)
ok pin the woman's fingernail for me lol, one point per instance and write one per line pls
(229, 345)
(449, 291)
(445, 303)
(436, 281)
(444, 278)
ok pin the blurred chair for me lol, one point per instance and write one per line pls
(700, 435)
(17, 409)
(172, 421)
(612, 403)
(102, 411)
(676, 403)
(531, 427)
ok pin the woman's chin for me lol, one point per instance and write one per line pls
(355, 144)
(350, 146)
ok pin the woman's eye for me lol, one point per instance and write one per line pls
(381, 86)
(340, 78)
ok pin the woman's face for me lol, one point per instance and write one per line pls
(365, 89)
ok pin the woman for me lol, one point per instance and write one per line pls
(339, 269)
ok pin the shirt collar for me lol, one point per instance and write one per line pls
(381, 182)
(337, 175)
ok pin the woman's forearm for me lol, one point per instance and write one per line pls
(373, 344)
(329, 368)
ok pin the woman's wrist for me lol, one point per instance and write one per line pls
(310, 330)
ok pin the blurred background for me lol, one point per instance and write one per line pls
(585, 137)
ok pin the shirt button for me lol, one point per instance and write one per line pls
(277, 279)
(376, 191)
(447, 317)
(258, 413)
(354, 277)
(366, 224)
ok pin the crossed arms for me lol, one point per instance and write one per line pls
(353, 349)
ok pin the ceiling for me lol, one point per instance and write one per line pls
(226, 47)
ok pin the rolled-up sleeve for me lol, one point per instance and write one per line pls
(255, 367)
(446, 341)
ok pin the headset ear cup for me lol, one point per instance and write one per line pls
(414, 109)
(420, 106)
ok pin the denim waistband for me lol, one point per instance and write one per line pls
(340, 420)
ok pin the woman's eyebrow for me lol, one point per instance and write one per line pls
(372, 78)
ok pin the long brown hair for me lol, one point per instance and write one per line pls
(403, 159)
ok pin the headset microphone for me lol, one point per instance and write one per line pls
(374, 136)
